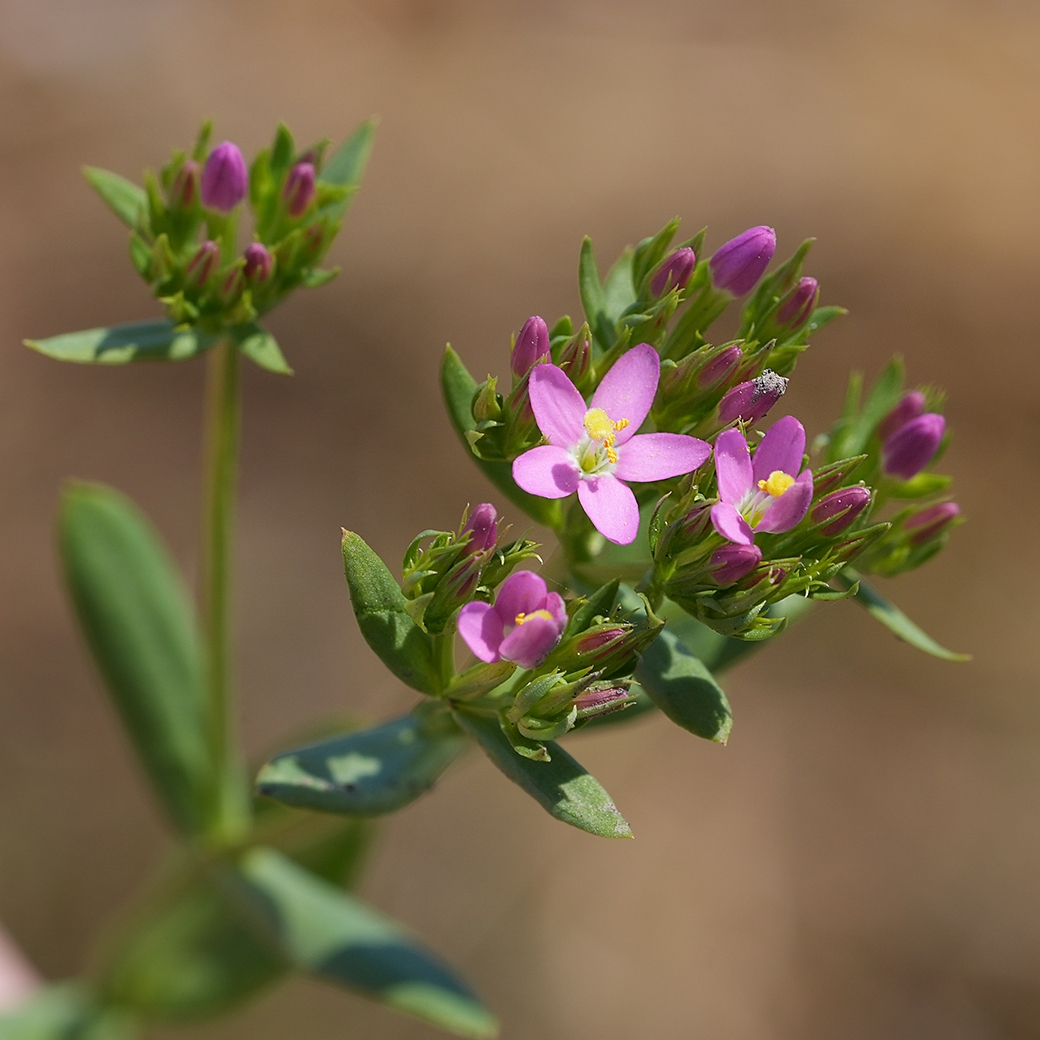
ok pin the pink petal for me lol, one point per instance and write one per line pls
(481, 629)
(611, 507)
(529, 644)
(547, 471)
(733, 466)
(658, 456)
(628, 389)
(730, 524)
(558, 407)
(523, 592)
(555, 605)
(788, 510)
(781, 449)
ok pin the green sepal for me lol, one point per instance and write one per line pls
(382, 615)
(141, 630)
(458, 387)
(921, 486)
(318, 276)
(650, 252)
(824, 316)
(618, 290)
(125, 199)
(480, 679)
(683, 688)
(328, 934)
(857, 425)
(598, 604)
(561, 786)
(66, 1011)
(159, 340)
(893, 618)
(257, 344)
(367, 772)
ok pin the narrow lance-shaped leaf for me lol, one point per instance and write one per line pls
(561, 786)
(127, 200)
(458, 387)
(368, 772)
(893, 618)
(158, 340)
(260, 347)
(381, 611)
(140, 627)
(333, 936)
(347, 164)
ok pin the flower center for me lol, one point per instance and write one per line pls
(521, 618)
(599, 450)
(777, 483)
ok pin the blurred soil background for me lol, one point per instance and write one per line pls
(862, 860)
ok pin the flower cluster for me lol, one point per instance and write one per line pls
(652, 430)
(185, 230)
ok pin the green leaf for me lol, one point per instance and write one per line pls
(347, 164)
(593, 295)
(893, 618)
(561, 786)
(125, 199)
(683, 688)
(458, 387)
(883, 396)
(619, 292)
(65, 1011)
(118, 344)
(333, 936)
(261, 347)
(188, 953)
(382, 615)
(140, 628)
(368, 772)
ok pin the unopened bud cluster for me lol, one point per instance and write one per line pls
(187, 239)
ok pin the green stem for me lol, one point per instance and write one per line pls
(444, 657)
(221, 462)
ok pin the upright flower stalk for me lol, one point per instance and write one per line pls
(221, 437)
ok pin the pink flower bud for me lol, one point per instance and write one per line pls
(740, 263)
(840, 508)
(719, 369)
(299, 188)
(185, 188)
(482, 526)
(796, 310)
(913, 445)
(730, 563)
(202, 264)
(576, 357)
(224, 178)
(259, 262)
(674, 272)
(752, 400)
(932, 521)
(910, 406)
(600, 700)
(532, 346)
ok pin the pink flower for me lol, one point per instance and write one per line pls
(593, 448)
(764, 495)
(524, 624)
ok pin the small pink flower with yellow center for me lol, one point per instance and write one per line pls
(524, 624)
(767, 494)
(594, 448)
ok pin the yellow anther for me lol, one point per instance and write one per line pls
(777, 483)
(620, 424)
(612, 455)
(598, 425)
(521, 618)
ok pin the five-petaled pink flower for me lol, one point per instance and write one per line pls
(524, 624)
(593, 448)
(766, 494)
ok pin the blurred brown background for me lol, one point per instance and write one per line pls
(862, 860)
